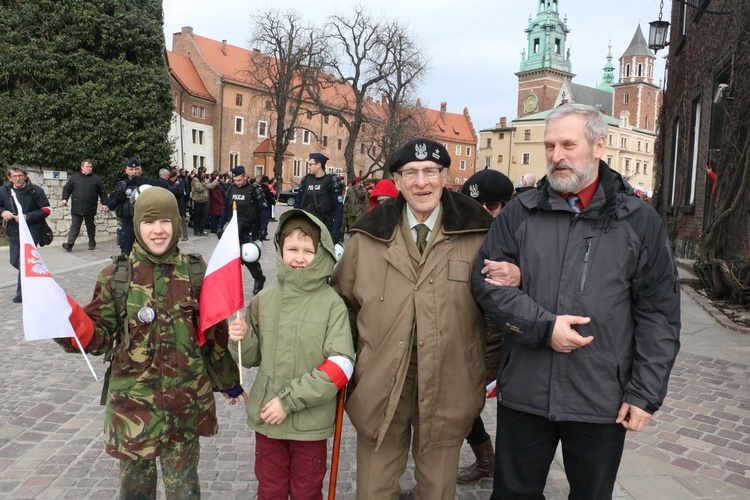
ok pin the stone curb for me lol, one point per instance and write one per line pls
(714, 312)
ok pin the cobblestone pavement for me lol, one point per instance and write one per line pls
(698, 445)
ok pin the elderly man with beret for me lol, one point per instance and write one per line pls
(405, 277)
(322, 195)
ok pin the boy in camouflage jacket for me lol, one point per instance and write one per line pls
(160, 396)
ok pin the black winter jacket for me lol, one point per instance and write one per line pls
(84, 191)
(34, 203)
(612, 263)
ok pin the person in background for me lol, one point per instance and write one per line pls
(250, 202)
(592, 332)
(491, 189)
(84, 190)
(385, 189)
(180, 193)
(120, 202)
(35, 207)
(321, 194)
(215, 202)
(293, 399)
(160, 396)
(199, 188)
(264, 182)
(355, 202)
(528, 180)
(419, 376)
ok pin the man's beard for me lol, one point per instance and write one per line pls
(574, 184)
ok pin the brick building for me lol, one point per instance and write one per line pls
(703, 121)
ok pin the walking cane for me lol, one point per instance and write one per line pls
(336, 444)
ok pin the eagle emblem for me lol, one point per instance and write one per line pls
(474, 191)
(420, 151)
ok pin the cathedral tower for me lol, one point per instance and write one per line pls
(545, 63)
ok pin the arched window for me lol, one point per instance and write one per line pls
(626, 98)
(640, 69)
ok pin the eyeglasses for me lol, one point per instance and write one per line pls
(17, 176)
(492, 206)
(411, 174)
(312, 163)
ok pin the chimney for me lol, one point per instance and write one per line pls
(384, 100)
(443, 108)
(419, 103)
(502, 121)
(224, 47)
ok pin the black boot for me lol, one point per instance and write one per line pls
(483, 467)
(259, 285)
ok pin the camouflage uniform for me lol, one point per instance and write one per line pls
(355, 204)
(160, 396)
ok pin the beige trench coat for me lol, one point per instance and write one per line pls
(386, 298)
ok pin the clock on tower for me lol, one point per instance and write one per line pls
(530, 102)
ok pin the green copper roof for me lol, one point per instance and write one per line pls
(547, 36)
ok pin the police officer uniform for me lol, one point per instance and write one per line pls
(322, 196)
(121, 202)
(251, 201)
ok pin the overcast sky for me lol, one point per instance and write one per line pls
(473, 45)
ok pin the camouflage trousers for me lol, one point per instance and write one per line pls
(179, 468)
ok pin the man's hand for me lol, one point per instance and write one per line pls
(632, 418)
(564, 338)
(234, 401)
(7, 215)
(64, 203)
(501, 273)
(237, 329)
(273, 413)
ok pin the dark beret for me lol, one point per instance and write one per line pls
(240, 170)
(133, 162)
(419, 150)
(488, 186)
(321, 158)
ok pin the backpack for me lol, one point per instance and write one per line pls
(120, 284)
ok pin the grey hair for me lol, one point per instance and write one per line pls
(594, 125)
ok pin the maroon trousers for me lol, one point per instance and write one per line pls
(285, 467)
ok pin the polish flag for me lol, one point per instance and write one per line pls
(222, 294)
(492, 389)
(48, 312)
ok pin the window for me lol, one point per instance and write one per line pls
(341, 143)
(238, 99)
(624, 142)
(489, 142)
(646, 127)
(536, 45)
(627, 166)
(639, 145)
(609, 160)
(199, 161)
(501, 136)
(609, 139)
(239, 125)
(487, 162)
(197, 136)
(269, 105)
(325, 119)
(526, 158)
(262, 128)
(325, 141)
(306, 137)
(258, 170)
(462, 165)
(627, 70)
(297, 167)
(640, 69)
(527, 135)
(234, 159)
(309, 115)
(637, 167)
(557, 45)
(294, 136)
(626, 98)
(647, 146)
(468, 151)
(362, 148)
(458, 150)
(692, 170)
(648, 98)
(199, 112)
(499, 158)
(645, 169)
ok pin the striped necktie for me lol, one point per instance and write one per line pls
(572, 200)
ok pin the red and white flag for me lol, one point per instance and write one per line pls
(222, 294)
(48, 312)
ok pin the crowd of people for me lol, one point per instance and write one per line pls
(559, 296)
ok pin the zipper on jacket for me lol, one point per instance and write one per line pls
(585, 270)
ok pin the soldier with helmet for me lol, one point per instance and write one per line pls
(321, 195)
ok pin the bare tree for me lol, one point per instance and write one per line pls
(290, 58)
(365, 57)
